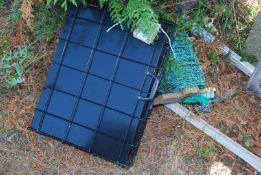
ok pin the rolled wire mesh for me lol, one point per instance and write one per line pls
(182, 70)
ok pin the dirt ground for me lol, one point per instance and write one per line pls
(169, 143)
(168, 147)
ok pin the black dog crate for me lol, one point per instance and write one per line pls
(100, 87)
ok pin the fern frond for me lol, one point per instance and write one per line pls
(138, 14)
(142, 18)
(102, 2)
(116, 8)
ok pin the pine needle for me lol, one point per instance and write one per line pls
(27, 13)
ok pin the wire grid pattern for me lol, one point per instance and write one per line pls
(65, 89)
(184, 70)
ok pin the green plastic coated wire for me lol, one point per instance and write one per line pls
(182, 70)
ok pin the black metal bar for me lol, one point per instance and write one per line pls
(106, 25)
(146, 112)
(137, 103)
(102, 51)
(111, 83)
(97, 76)
(85, 99)
(72, 122)
(86, 74)
(142, 119)
(88, 20)
(63, 54)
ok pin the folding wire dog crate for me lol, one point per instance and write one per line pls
(100, 86)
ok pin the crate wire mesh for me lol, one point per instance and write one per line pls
(91, 98)
(184, 70)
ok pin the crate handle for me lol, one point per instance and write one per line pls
(154, 87)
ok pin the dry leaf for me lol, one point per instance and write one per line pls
(27, 13)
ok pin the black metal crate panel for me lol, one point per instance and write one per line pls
(92, 98)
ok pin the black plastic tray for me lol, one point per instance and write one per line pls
(100, 87)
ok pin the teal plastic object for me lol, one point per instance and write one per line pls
(196, 98)
(182, 70)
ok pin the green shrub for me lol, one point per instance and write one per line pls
(46, 23)
(138, 14)
(205, 151)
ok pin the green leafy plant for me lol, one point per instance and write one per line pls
(12, 65)
(19, 50)
(206, 151)
(116, 8)
(65, 3)
(16, 63)
(139, 14)
(165, 10)
(249, 58)
(213, 57)
(227, 18)
(246, 140)
(188, 160)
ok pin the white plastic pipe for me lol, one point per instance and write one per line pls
(218, 136)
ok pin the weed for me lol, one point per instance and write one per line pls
(13, 66)
(183, 24)
(213, 57)
(238, 158)
(164, 13)
(17, 56)
(16, 63)
(249, 58)
(246, 140)
(206, 151)
(50, 162)
(227, 19)
(188, 160)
